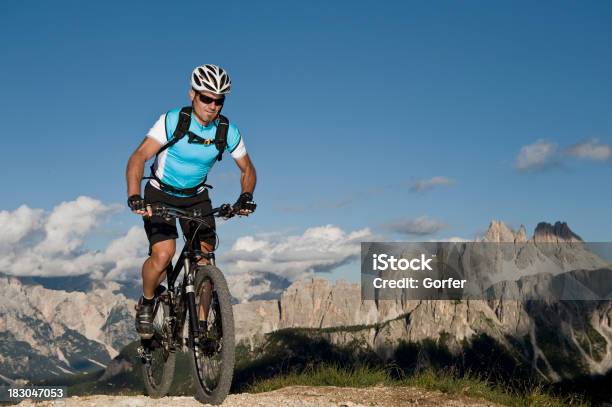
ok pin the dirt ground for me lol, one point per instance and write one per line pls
(294, 396)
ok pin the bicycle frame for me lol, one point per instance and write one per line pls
(187, 259)
(190, 255)
(213, 346)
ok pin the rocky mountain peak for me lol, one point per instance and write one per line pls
(499, 232)
(544, 232)
(557, 233)
(521, 236)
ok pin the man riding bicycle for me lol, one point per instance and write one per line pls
(186, 142)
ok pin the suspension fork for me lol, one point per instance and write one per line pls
(191, 305)
(190, 288)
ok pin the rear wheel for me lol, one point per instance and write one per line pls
(158, 356)
(212, 355)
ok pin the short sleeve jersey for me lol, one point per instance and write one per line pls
(185, 165)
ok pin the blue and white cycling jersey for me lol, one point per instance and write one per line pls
(185, 165)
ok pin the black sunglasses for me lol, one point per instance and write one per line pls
(208, 100)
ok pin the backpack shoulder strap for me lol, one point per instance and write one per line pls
(181, 129)
(221, 135)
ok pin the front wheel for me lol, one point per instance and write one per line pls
(213, 351)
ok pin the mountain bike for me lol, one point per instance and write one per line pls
(178, 311)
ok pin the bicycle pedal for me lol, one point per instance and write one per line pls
(144, 354)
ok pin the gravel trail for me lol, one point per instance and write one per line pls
(294, 396)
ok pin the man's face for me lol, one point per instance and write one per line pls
(206, 104)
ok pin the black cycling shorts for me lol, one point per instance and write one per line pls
(159, 229)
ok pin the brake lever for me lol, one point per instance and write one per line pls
(225, 211)
(248, 206)
(160, 211)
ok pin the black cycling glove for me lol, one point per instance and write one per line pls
(242, 200)
(136, 203)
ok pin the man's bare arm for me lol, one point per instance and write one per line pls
(135, 166)
(248, 175)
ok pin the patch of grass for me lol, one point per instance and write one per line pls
(475, 386)
(287, 351)
(324, 375)
(448, 382)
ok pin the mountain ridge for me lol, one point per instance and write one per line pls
(45, 324)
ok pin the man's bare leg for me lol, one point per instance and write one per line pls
(206, 296)
(162, 277)
(152, 271)
(154, 268)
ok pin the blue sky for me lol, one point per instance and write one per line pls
(343, 107)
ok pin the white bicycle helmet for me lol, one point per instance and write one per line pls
(211, 78)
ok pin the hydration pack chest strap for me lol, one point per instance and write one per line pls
(221, 135)
(182, 128)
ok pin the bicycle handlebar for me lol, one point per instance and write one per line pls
(224, 211)
(167, 211)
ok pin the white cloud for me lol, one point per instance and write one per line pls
(129, 253)
(57, 248)
(420, 226)
(61, 233)
(251, 286)
(425, 184)
(537, 156)
(319, 249)
(453, 239)
(18, 224)
(69, 222)
(591, 150)
(544, 154)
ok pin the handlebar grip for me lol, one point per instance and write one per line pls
(249, 206)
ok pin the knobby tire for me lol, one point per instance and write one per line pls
(227, 354)
(157, 388)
